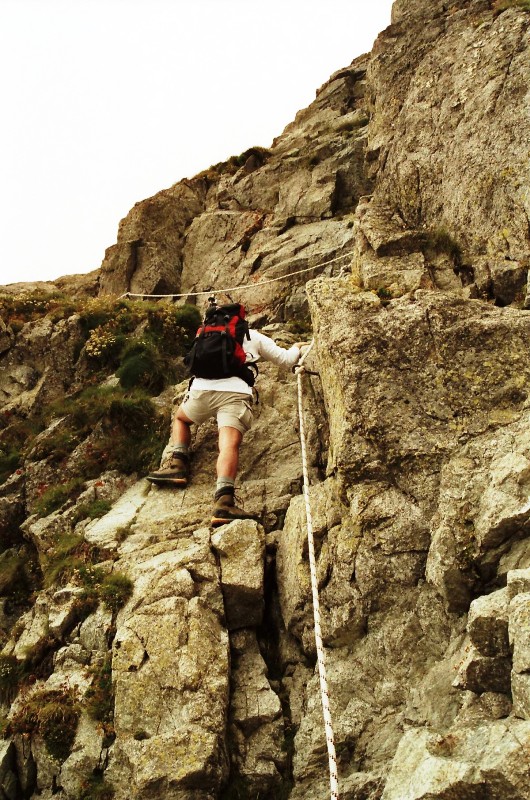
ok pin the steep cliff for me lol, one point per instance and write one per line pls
(146, 656)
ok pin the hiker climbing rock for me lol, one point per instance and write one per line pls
(222, 361)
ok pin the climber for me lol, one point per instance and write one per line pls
(230, 399)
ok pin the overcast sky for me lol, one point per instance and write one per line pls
(106, 102)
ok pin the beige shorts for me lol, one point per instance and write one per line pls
(233, 409)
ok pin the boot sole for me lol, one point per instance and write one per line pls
(172, 481)
(217, 521)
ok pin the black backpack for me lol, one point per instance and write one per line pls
(217, 351)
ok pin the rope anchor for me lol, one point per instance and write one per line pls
(330, 740)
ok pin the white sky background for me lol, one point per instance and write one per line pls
(106, 102)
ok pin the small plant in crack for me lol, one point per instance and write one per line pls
(440, 240)
(100, 700)
(96, 788)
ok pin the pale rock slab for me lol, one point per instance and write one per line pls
(104, 531)
(9, 784)
(36, 625)
(384, 230)
(86, 756)
(253, 701)
(170, 667)
(164, 567)
(70, 657)
(240, 546)
(215, 238)
(148, 254)
(469, 49)
(47, 767)
(395, 274)
(479, 673)
(488, 623)
(19, 380)
(294, 583)
(518, 582)
(186, 765)
(356, 785)
(416, 773)
(94, 632)
(463, 762)
(519, 632)
(521, 694)
(255, 717)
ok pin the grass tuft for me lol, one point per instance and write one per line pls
(56, 496)
(440, 240)
(115, 590)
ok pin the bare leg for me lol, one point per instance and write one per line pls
(180, 429)
(225, 509)
(228, 459)
(175, 470)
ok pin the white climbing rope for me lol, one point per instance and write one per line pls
(321, 656)
(245, 285)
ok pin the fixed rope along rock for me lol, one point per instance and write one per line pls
(246, 285)
(330, 741)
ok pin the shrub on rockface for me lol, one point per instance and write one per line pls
(66, 555)
(11, 671)
(115, 590)
(54, 497)
(157, 331)
(174, 327)
(17, 309)
(103, 345)
(18, 577)
(134, 434)
(143, 342)
(124, 429)
(37, 663)
(10, 459)
(15, 437)
(142, 365)
(152, 360)
(109, 325)
(440, 240)
(52, 714)
(71, 559)
(92, 510)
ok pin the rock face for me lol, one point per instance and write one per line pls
(397, 205)
(266, 212)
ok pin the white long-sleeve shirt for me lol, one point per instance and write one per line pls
(257, 347)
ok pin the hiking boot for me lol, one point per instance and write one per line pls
(225, 510)
(175, 473)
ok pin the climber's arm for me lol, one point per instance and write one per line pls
(270, 351)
